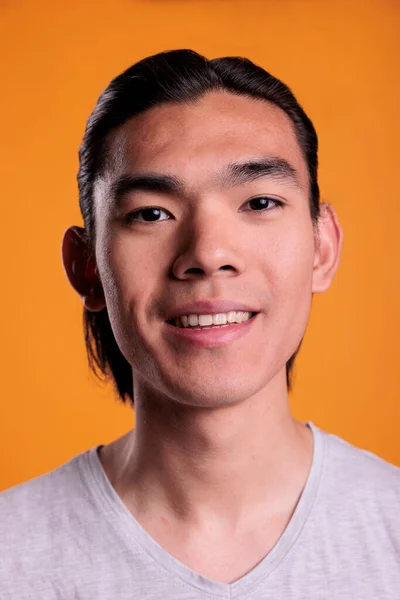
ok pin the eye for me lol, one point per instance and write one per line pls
(150, 214)
(262, 203)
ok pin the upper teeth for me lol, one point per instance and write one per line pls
(233, 316)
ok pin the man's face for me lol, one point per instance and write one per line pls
(209, 241)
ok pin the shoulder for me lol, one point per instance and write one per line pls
(32, 512)
(360, 463)
(34, 496)
(46, 525)
(358, 477)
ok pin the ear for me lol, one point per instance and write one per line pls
(328, 247)
(82, 271)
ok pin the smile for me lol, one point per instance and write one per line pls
(213, 335)
(211, 320)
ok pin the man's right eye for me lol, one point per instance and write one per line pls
(150, 214)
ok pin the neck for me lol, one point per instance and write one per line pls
(232, 465)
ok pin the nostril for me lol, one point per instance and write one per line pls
(195, 270)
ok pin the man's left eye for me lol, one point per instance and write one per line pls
(263, 203)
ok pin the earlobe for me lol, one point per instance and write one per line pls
(329, 240)
(81, 270)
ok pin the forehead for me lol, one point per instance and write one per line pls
(196, 140)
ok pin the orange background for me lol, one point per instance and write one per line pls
(340, 58)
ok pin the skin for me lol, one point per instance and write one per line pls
(216, 463)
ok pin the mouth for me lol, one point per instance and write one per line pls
(211, 321)
(210, 331)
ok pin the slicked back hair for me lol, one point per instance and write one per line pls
(175, 76)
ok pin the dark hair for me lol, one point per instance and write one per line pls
(175, 76)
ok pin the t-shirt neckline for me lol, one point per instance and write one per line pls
(134, 535)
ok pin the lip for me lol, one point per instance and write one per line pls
(209, 307)
(215, 336)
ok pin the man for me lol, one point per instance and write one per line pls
(203, 243)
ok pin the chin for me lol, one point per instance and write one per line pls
(211, 393)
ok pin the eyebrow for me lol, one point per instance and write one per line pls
(146, 182)
(233, 174)
(245, 172)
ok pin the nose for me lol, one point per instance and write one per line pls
(210, 248)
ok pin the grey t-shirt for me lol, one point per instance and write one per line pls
(66, 535)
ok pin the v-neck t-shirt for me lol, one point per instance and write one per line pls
(67, 535)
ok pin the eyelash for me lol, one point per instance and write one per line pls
(130, 216)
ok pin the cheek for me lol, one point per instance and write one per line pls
(294, 264)
(129, 267)
(130, 271)
(288, 269)
(125, 290)
(286, 254)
